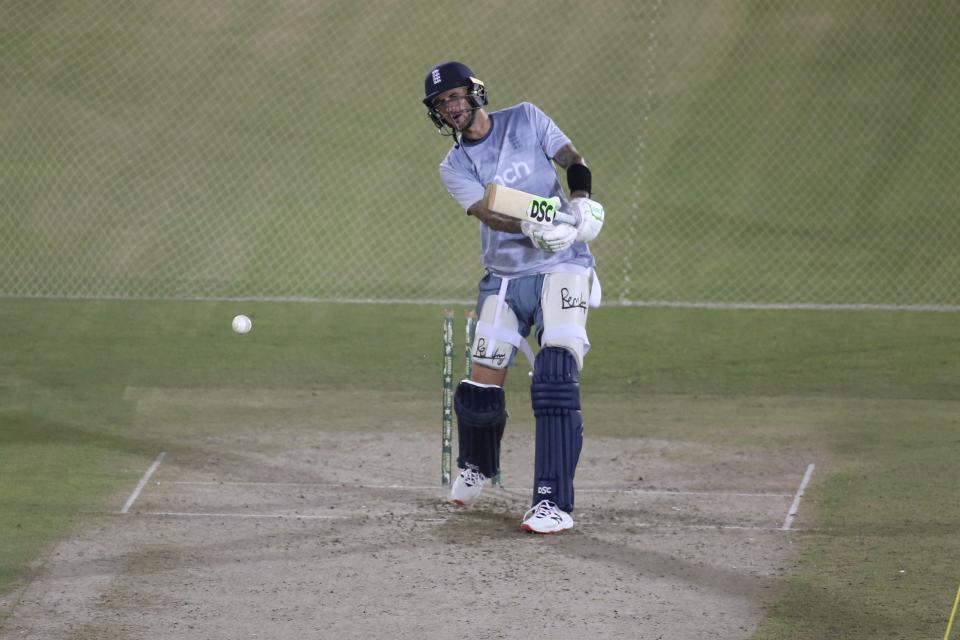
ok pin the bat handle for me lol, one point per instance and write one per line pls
(565, 217)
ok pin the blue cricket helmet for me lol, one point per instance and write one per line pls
(450, 75)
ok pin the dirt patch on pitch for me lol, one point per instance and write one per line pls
(273, 534)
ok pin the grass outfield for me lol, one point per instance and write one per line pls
(873, 393)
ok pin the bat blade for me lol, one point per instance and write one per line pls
(524, 206)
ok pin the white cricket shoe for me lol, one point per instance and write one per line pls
(467, 487)
(546, 517)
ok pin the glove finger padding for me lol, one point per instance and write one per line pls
(590, 215)
(551, 238)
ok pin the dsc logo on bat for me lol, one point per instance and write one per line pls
(541, 210)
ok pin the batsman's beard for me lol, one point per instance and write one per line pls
(471, 115)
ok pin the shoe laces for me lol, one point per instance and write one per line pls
(472, 477)
(543, 509)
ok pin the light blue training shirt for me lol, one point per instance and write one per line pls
(516, 153)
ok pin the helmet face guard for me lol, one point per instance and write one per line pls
(446, 76)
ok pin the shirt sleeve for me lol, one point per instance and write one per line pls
(464, 187)
(552, 139)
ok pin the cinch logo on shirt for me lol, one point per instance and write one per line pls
(517, 172)
(436, 76)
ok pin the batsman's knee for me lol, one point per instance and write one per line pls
(479, 405)
(573, 345)
(556, 381)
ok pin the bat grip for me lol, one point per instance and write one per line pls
(565, 217)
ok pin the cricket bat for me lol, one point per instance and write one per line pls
(524, 206)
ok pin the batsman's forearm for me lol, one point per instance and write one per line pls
(493, 220)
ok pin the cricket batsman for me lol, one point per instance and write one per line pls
(539, 277)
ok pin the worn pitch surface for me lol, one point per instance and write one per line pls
(348, 535)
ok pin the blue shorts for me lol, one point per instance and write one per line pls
(523, 297)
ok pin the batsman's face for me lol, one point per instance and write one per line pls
(454, 107)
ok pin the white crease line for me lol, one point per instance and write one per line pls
(340, 485)
(276, 516)
(400, 487)
(669, 525)
(581, 523)
(587, 523)
(143, 482)
(668, 492)
(795, 506)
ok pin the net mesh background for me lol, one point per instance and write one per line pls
(218, 150)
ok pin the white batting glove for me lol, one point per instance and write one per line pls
(550, 237)
(589, 214)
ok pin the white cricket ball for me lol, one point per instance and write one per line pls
(242, 324)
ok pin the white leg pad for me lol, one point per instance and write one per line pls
(564, 299)
(496, 334)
